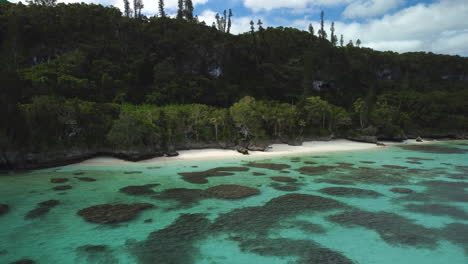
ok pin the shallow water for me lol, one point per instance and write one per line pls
(340, 209)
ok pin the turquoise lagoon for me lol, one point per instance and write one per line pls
(333, 208)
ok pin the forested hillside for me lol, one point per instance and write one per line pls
(86, 79)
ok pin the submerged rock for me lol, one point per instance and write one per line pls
(24, 261)
(108, 213)
(58, 180)
(41, 209)
(232, 191)
(270, 166)
(283, 179)
(350, 192)
(394, 167)
(185, 197)
(401, 190)
(132, 172)
(393, 228)
(174, 244)
(86, 179)
(200, 177)
(62, 187)
(4, 209)
(139, 189)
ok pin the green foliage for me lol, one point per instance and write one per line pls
(64, 68)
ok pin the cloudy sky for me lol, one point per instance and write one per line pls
(439, 26)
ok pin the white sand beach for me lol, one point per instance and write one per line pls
(274, 150)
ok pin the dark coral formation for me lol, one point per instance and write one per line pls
(290, 187)
(78, 173)
(232, 191)
(175, 243)
(457, 233)
(200, 177)
(438, 210)
(99, 254)
(4, 209)
(295, 159)
(392, 228)
(86, 179)
(419, 159)
(436, 149)
(139, 189)
(58, 180)
(304, 226)
(133, 172)
(306, 251)
(108, 213)
(394, 167)
(269, 166)
(414, 162)
(185, 197)
(314, 171)
(24, 261)
(345, 164)
(310, 162)
(62, 187)
(283, 179)
(368, 162)
(334, 181)
(440, 191)
(41, 209)
(350, 192)
(258, 174)
(401, 190)
(260, 219)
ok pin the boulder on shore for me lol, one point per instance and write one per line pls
(419, 139)
(365, 139)
(242, 150)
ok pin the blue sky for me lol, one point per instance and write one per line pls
(439, 26)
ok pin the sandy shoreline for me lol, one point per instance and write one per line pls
(275, 150)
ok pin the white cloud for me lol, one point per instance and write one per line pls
(370, 8)
(440, 27)
(267, 5)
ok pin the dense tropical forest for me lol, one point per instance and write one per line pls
(89, 79)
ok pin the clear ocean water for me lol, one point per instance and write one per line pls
(320, 208)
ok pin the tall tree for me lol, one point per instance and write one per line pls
(311, 29)
(162, 13)
(333, 38)
(358, 43)
(260, 25)
(252, 27)
(42, 2)
(229, 21)
(180, 9)
(341, 40)
(189, 10)
(127, 9)
(322, 33)
(350, 43)
(137, 7)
